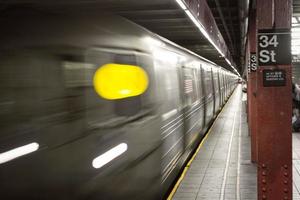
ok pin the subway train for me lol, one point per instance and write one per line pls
(96, 107)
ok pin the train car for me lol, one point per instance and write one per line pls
(96, 107)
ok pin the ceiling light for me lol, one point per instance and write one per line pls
(181, 4)
(202, 29)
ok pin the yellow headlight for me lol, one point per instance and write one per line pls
(118, 81)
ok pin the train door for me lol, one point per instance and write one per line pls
(213, 90)
(219, 83)
(201, 88)
(225, 86)
(192, 105)
(203, 96)
(222, 86)
(220, 77)
(216, 90)
(169, 87)
(209, 99)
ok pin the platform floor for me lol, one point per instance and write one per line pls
(222, 168)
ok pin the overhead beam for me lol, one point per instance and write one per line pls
(203, 14)
(224, 24)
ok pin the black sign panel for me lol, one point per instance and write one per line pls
(274, 77)
(253, 62)
(274, 47)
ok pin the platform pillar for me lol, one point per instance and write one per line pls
(252, 85)
(274, 100)
(247, 61)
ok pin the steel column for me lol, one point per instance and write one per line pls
(252, 88)
(247, 63)
(274, 110)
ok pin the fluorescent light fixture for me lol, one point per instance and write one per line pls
(220, 52)
(181, 4)
(17, 152)
(202, 29)
(194, 20)
(199, 25)
(229, 63)
(109, 155)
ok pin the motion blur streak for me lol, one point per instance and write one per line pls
(181, 4)
(17, 152)
(108, 156)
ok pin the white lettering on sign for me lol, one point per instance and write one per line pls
(263, 41)
(253, 62)
(267, 56)
(274, 76)
(273, 47)
(266, 41)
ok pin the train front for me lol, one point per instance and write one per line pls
(77, 110)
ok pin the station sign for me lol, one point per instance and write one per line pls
(274, 47)
(274, 77)
(253, 62)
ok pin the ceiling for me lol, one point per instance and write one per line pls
(170, 21)
(164, 17)
(226, 14)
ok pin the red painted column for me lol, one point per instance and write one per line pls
(249, 89)
(252, 91)
(274, 108)
(247, 62)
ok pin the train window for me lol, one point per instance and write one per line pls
(216, 80)
(199, 82)
(190, 87)
(122, 83)
(208, 80)
(19, 83)
(167, 84)
(34, 83)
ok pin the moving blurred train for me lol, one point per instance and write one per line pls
(97, 107)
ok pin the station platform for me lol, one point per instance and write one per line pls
(221, 168)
